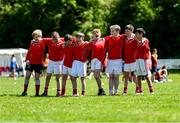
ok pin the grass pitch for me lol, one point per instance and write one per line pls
(163, 106)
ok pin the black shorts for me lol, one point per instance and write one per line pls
(34, 67)
(12, 69)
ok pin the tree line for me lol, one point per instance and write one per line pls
(160, 19)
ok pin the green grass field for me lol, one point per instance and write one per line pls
(163, 106)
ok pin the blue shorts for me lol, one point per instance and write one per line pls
(154, 69)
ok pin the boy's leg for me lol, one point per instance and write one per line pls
(136, 82)
(111, 78)
(26, 83)
(74, 85)
(37, 85)
(149, 84)
(64, 79)
(126, 82)
(139, 78)
(99, 83)
(83, 81)
(116, 85)
(48, 77)
(58, 84)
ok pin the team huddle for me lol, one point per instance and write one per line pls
(127, 53)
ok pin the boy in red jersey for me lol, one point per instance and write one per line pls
(79, 67)
(142, 59)
(154, 59)
(68, 45)
(114, 47)
(130, 45)
(55, 60)
(97, 57)
(34, 61)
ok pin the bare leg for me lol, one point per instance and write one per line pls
(58, 84)
(111, 78)
(26, 82)
(64, 79)
(48, 77)
(74, 85)
(97, 77)
(126, 80)
(37, 85)
(139, 78)
(83, 81)
(149, 82)
(116, 81)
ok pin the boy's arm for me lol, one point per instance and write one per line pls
(46, 41)
(28, 53)
(147, 53)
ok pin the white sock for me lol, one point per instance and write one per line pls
(111, 92)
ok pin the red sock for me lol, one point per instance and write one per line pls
(74, 91)
(25, 87)
(37, 88)
(46, 89)
(125, 89)
(63, 91)
(140, 90)
(137, 89)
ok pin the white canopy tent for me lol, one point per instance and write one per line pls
(5, 56)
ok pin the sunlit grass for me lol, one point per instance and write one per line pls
(163, 106)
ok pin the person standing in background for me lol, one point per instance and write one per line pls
(154, 60)
(13, 67)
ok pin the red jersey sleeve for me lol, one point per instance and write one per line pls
(46, 41)
(106, 46)
(146, 50)
(29, 52)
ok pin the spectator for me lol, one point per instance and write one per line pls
(161, 75)
(154, 60)
(13, 67)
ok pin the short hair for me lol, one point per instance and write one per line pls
(116, 27)
(37, 32)
(154, 50)
(67, 37)
(96, 30)
(80, 34)
(130, 27)
(140, 30)
(55, 34)
(164, 67)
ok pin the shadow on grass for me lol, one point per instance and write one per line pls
(50, 96)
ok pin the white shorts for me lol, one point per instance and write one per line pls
(141, 68)
(79, 69)
(114, 66)
(96, 64)
(55, 67)
(66, 70)
(130, 67)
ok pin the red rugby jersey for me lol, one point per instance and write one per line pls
(35, 52)
(55, 49)
(129, 50)
(68, 59)
(97, 49)
(143, 50)
(114, 46)
(80, 51)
